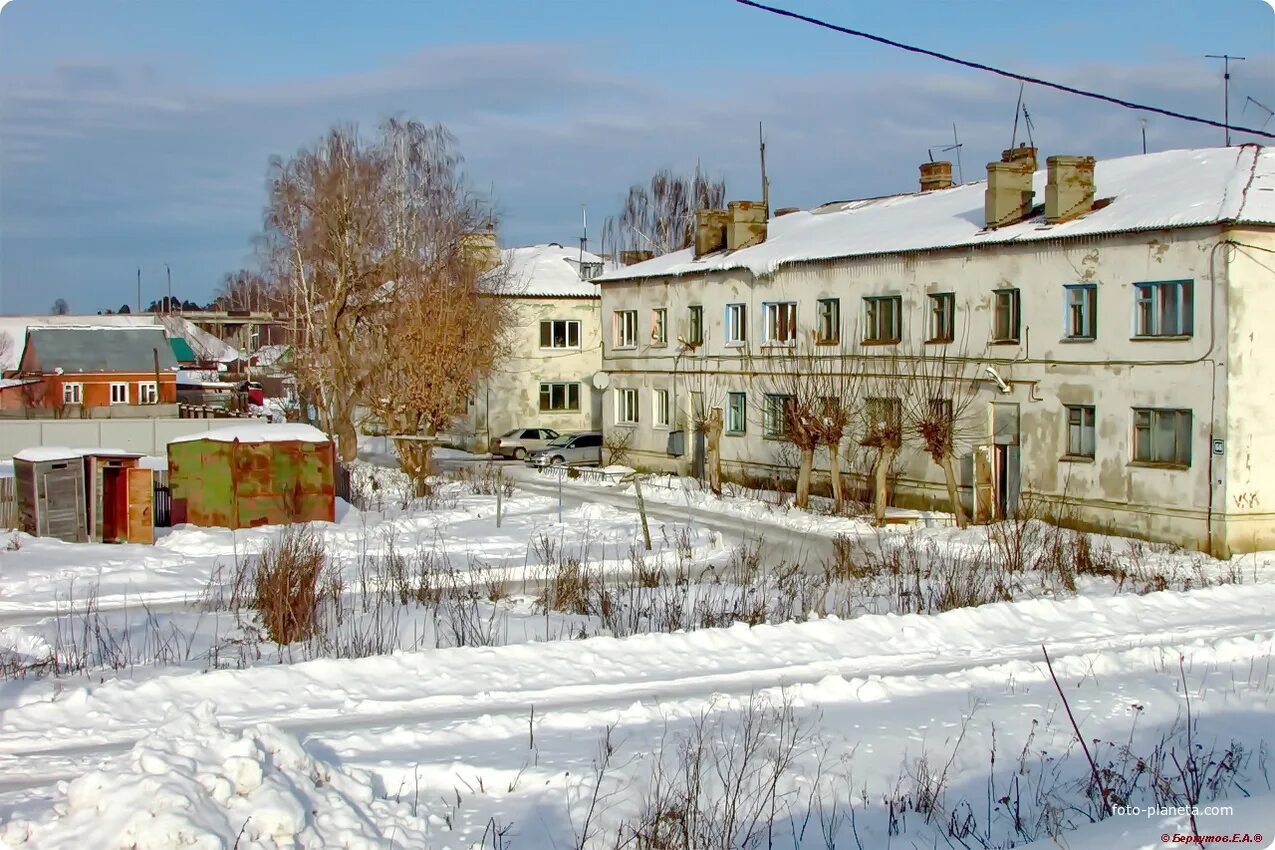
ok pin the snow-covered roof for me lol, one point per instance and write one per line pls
(203, 343)
(1181, 188)
(39, 454)
(546, 271)
(260, 432)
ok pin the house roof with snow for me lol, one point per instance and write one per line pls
(98, 349)
(1171, 189)
(547, 271)
(205, 346)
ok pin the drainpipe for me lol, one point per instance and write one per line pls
(155, 351)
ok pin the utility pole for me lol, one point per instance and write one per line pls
(139, 290)
(1143, 122)
(1226, 88)
(168, 307)
(765, 182)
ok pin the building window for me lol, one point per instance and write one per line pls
(560, 333)
(119, 393)
(695, 325)
(588, 271)
(780, 322)
(942, 317)
(659, 403)
(626, 406)
(1162, 436)
(883, 420)
(624, 330)
(736, 324)
(775, 421)
(1006, 318)
(560, 398)
(1080, 430)
(736, 413)
(72, 393)
(659, 326)
(1163, 309)
(882, 318)
(148, 393)
(1081, 319)
(828, 321)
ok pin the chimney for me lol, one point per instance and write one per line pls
(479, 248)
(710, 231)
(1009, 187)
(1069, 189)
(747, 224)
(936, 175)
(782, 211)
(630, 258)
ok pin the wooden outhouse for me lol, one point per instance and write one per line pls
(121, 497)
(51, 494)
(250, 475)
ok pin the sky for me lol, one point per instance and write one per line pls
(137, 134)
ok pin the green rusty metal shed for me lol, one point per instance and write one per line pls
(252, 475)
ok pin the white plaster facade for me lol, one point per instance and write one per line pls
(1221, 498)
(544, 284)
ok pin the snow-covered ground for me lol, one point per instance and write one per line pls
(452, 703)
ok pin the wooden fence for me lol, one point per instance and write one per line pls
(8, 503)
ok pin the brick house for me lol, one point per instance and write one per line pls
(90, 367)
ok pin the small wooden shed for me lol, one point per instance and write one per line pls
(250, 475)
(50, 493)
(121, 497)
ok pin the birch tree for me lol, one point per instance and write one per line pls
(659, 216)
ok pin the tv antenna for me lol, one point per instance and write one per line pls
(1143, 122)
(1269, 112)
(955, 146)
(1018, 108)
(1226, 88)
(584, 232)
(765, 181)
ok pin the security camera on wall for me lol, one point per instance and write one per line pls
(1000, 382)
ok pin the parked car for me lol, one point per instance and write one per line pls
(583, 449)
(519, 442)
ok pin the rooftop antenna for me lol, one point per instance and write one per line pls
(1031, 125)
(765, 181)
(1018, 108)
(955, 146)
(1226, 88)
(1143, 122)
(584, 231)
(1269, 112)
(168, 308)
(139, 290)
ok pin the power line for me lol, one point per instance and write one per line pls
(978, 66)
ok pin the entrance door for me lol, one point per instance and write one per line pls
(1005, 456)
(141, 513)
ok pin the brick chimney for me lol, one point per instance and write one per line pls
(479, 247)
(630, 258)
(710, 231)
(936, 175)
(1069, 190)
(1009, 194)
(747, 225)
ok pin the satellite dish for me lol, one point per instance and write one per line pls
(601, 380)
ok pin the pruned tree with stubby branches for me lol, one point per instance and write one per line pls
(938, 412)
(884, 384)
(659, 216)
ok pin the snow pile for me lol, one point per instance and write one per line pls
(195, 784)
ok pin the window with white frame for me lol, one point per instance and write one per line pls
(736, 324)
(624, 329)
(736, 413)
(828, 321)
(695, 325)
(780, 322)
(72, 393)
(659, 326)
(626, 406)
(1164, 308)
(1080, 321)
(1006, 317)
(1081, 432)
(942, 317)
(883, 318)
(560, 333)
(1162, 436)
(119, 393)
(659, 408)
(559, 397)
(776, 415)
(147, 392)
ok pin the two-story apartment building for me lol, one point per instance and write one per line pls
(556, 346)
(1122, 320)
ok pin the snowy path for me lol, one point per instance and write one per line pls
(48, 735)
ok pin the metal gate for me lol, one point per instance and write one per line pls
(163, 504)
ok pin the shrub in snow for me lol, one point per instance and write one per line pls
(197, 785)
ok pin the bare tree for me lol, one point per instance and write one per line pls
(660, 216)
(884, 384)
(60, 308)
(937, 410)
(248, 290)
(708, 399)
(8, 350)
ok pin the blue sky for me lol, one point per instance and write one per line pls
(137, 133)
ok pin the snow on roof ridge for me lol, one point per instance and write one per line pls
(259, 432)
(1190, 187)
